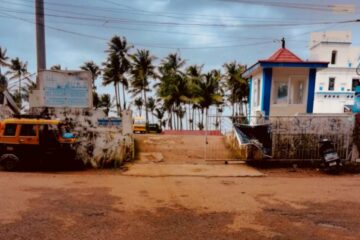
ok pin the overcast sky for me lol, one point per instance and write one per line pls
(209, 32)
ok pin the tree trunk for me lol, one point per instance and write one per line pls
(193, 118)
(146, 110)
(119, 99)
(124, 96)
(20, 102)
(170, 119)
(199, 115)
(202, 116)
(116, 99)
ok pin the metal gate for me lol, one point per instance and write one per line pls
(220, 140)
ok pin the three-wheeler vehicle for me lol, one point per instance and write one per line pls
(25, 141)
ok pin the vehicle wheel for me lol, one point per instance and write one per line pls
(9, 162)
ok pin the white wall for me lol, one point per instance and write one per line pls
(334, 101)
(344, 71)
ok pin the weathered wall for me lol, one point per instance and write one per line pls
(356, 145)
(298, 137)
(97, 146)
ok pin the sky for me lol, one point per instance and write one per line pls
(204, 32)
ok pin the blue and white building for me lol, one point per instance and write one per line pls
(283, 85)
(335, 85)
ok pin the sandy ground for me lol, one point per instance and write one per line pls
(109, 205)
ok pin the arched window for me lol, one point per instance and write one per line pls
(333, 57)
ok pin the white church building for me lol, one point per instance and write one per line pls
(335, 85)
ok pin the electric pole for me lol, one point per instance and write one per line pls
(40, 35)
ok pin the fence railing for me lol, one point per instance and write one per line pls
(292, 137)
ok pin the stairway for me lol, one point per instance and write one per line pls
(180, 148)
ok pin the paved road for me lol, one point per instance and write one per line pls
(108, 205)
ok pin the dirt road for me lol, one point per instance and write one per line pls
(108, 205)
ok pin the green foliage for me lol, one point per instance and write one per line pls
(139, 104)
(56, 67)
(105, 102)
(94, 69)
(235, 84)
(142, 72)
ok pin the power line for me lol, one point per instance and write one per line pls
(163, 23)
(134, 11)
(287, 4)
(139, 44)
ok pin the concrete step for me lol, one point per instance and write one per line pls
(174, 148)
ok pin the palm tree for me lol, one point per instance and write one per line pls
(105, 102)
(151, 105)
(3, 83)
(193, 76)
(3, 58)
(28, 89)
(139, 103)
(56, 67)
(94, 69)
(18, 70)
(111, 75)
(120, 48)
(142, 71)
(160, 114)
(173, 87)
(206, 92)
(235, 84)
(96, 100)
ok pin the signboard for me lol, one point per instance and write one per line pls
(109, 122)
(65, 89)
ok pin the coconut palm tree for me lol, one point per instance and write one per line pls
(120, 47)
(151, 105)
(94, 69)
(3, 83)
(111, 75)
(206, 92)
(173, 87)
(235, 84)
(105, 102)
(27, 90)
(139, 104)
(56, 67)
(193, 76)
(18, 70)
(3, 58)
(96, 100)
(142, 71)
(160, 114)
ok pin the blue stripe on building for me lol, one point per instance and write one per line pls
(311, 91)
(266, 91)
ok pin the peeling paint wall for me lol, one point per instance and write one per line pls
(297, 137)
(97, 146)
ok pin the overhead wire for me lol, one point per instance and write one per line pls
(218, 25)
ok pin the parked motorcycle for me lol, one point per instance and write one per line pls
(330, 156)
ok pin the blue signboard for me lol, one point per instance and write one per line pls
(109, 122)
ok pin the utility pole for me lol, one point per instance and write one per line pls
(40, 35)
